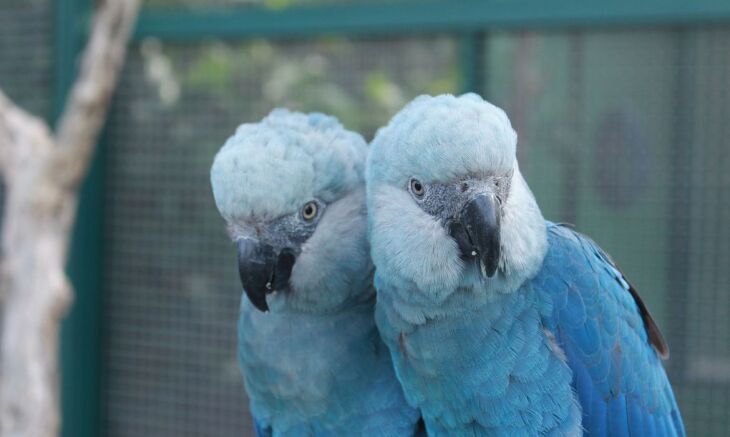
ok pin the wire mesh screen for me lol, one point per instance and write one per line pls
(25, 56)
(172, 290)
(705, 370)
(26, 53)
(625, 134)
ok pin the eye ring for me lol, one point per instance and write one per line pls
(309, 210)
(416, 188)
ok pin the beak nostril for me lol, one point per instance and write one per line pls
(464, 187)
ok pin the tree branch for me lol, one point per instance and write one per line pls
(18, 129)
(42, 175)
(88, 101)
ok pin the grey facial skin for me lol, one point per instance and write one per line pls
(267, 252)
(445, 200)
(470, 210)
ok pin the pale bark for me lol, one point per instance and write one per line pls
(42, 173)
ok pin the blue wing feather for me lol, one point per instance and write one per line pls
(651, 428)
(618, 422)
(636, 420)
(612, 345)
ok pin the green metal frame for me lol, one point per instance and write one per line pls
(468, 19)
(384, 18)
(472, 62)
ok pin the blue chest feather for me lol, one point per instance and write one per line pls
(488, 370)
(565, 353)
(320, 375)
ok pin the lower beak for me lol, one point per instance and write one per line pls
(263, 270)
(477, 232)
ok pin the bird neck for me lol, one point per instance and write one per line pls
(296, 366)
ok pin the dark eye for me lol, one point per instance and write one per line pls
(309, 211)
(417, 188)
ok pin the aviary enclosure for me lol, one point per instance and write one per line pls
(149, 348)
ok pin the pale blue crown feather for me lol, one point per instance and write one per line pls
(426, 149)
(326, 158)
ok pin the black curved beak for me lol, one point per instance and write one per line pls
(263, 270)
(476, 231)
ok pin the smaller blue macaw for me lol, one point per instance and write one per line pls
(499, 322)
(291, 190)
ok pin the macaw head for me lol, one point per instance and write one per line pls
(291, 190)
(447, 201)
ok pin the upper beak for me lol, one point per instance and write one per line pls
(263, 270)
(476, 230)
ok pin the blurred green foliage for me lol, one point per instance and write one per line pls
(313, 76)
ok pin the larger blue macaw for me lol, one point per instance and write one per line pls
(291, 189)
(499, 322)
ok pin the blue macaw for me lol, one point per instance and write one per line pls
(499, 322)
(291, 189)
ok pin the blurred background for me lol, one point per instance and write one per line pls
(622, 110)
